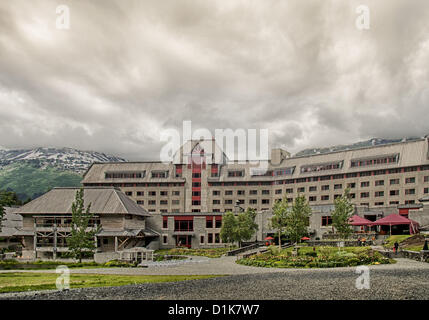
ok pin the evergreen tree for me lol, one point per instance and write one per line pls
(82, 236)
(297, 219)
(342, 213)
(2, 212)
(279, 218)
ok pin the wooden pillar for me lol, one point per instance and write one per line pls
(54, 254)
(116, 244)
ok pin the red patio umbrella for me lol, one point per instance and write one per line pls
(305, 238)
(359, 221)
(396, 219)
(269, 238)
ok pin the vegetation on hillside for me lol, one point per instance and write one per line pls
(29, 181)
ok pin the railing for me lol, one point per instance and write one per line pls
(242, 249)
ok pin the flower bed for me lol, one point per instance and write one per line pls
(210, 253)
(322, 257)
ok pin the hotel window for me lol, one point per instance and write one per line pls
(426, 179)
(176, 193)
(326, 221)
(379, 183)
(216, 192)
(394, 202)
(410, 180)
(209, 222)
(196, 175)
(217, 238)
(265, 191)
(129, 193)
(228, 192)
(364, 195)
(394, 192)
(152, 193)
(228, 201)
(253, 201)
(217, 201)
(152, 202)
(140, 193)
(216, 210)
(426, 190)
(289, 190)
(163, 193)
(283, 171)
(409, 202)
(379, 194)
(240, 201)
(338, 186)
(411, 169)
(236, 173)
(379, 203)
(312, 198)
(301, 189)
(365, 174)
(196, 203)
(265, 201)
(140, 202)
(351, 185)
(165, 222)
(337, 196)
(325, 198)
(210, 238)
(159, 174)
(184, 224)
(175, 202)
(124, 175)
(374, 161)
(240, 192)
(196, 184)
(325, 187)
(218, 222)
(163, 202)
(289, 200)
(352, 195)
(253, 192)
(201, 239)
(196, 193)
(312, 189)
(394, 181)
(279, 191)
(410, 191)
(364, 184)
(322, 167)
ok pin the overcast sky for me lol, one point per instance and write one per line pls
(126, 70)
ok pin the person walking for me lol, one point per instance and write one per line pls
(396, 246)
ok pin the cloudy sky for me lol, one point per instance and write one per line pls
(126, 70)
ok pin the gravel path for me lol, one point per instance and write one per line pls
(407, 279)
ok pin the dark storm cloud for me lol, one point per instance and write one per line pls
(126, 70)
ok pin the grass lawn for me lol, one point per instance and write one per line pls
(40, 265)
(390, 241)
(210, 253)
(14, 282)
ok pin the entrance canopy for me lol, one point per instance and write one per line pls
(359, 221)
(396, 219)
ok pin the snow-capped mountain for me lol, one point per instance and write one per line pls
(357, 145)
(63, 158)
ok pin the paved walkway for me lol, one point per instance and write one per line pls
(221, 266)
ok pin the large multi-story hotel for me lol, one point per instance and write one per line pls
(200, 181)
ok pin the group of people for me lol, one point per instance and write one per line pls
(364, 241)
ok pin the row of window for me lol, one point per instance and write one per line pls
(152, 193)
(135, 175)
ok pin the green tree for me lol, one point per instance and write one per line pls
(82, 236)
(229, 227)
(297, 219)
(246, 225)
(9, 198)
(279, 218)
(238, 228)
(342, 213)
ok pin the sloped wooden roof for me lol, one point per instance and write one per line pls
(103, 200)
